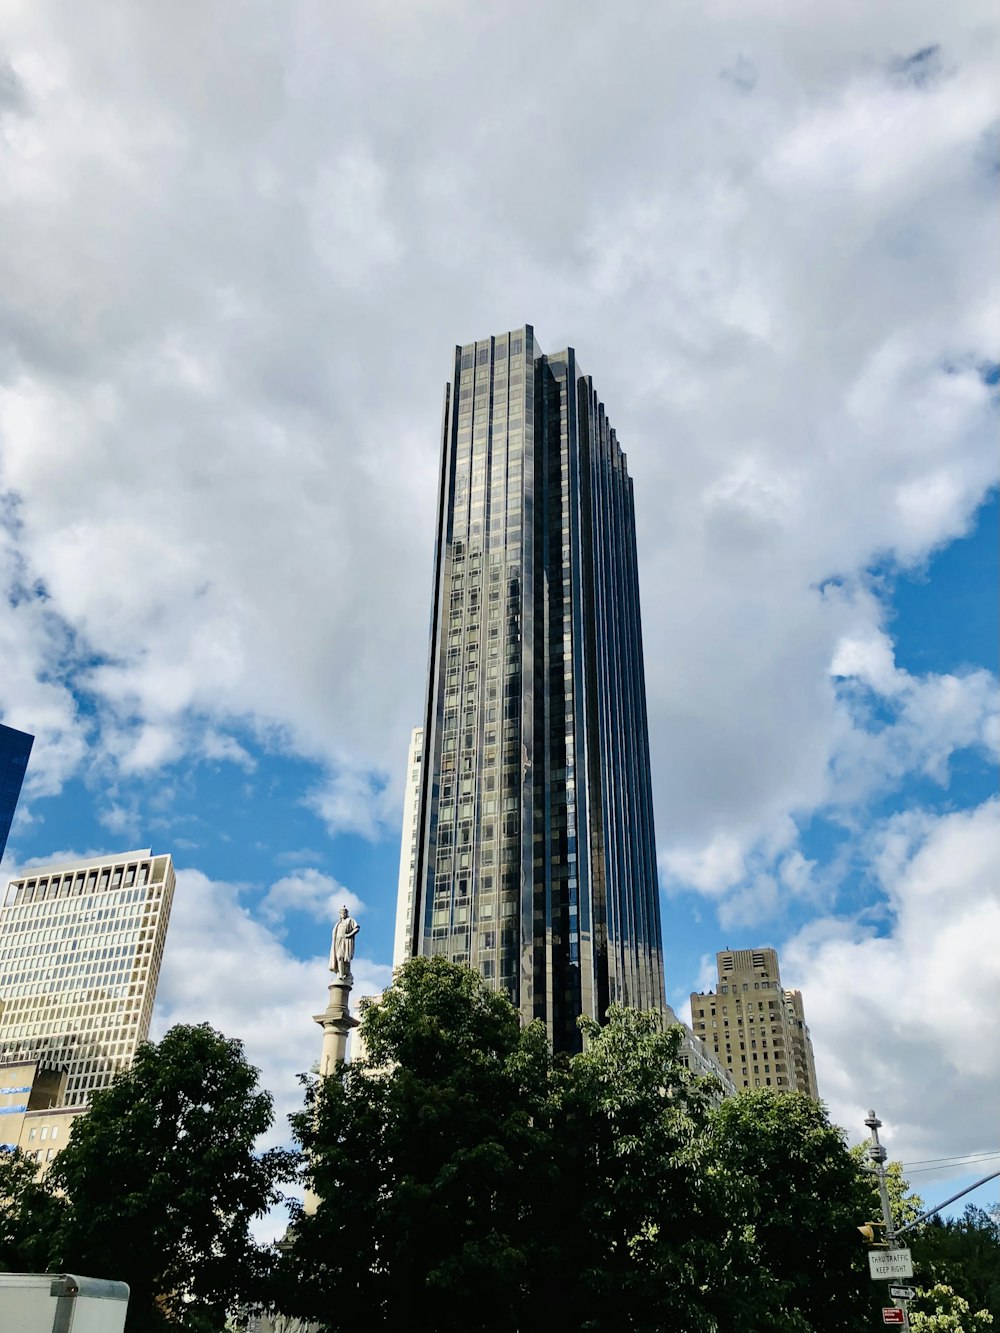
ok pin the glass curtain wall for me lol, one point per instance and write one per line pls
(535, 853)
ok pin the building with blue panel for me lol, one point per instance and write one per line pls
(15, 747)
(25, 1086)
(534, 857)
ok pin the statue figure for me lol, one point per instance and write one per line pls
(342, 950)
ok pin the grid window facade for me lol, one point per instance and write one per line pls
(80, 953)
(768, 1042)
(534, 847)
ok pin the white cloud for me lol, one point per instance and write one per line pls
(227, 749)
(351, 229)
(351, 801)
(870, 660)
(308, 890)
(903, 1021)
(122, 820)
(234, 259)
(931, 717)
(796, 872)
(711, 867)
(221, 409)
(757, 903)
(37, 653)
(884, 725)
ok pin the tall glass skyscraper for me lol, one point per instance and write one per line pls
(15, 748)
(534, 859)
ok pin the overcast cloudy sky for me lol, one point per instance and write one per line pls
(237, 245)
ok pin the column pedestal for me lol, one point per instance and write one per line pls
(336, 1022)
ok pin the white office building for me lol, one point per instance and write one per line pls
(408, 847)
(80, 951)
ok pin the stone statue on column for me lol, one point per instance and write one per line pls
(342, 946)
(336, 1020)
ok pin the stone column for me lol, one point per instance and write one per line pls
(336, 1022)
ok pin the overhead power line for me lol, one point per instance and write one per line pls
(960, 1157)
(938, 1206)
(980, 1161)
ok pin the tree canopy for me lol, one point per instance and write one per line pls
(27, 1213)
(961, 1254)
(940, 1309)
(471, 1181)
(160, 1182)
(795, 1189)
(430, 1159)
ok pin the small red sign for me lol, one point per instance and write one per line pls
(891, 1314)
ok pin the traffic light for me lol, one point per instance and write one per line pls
(868, 1231)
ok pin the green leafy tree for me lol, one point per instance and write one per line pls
(29, 1210)
(939, 1309)
(161, 1181)
(964, 1254)
(469, 1181)
(633, 1229)
(429, 1159)
(794, 1199)
(905, 1206)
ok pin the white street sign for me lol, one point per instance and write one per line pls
(890, 1263)
(903, 1293)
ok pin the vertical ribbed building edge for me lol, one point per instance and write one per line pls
(536, 857)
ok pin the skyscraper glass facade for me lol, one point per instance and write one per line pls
(15, 747)
(535, 855)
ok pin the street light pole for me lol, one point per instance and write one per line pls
(877, 1154)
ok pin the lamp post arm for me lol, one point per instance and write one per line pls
(931, 1211)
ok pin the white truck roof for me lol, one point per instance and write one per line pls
(61, 1303)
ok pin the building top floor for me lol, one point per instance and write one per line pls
(85, 862)
(91, 875)
(735, 987)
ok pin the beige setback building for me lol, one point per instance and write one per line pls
(80, 951)
(26, 1088)
(753, 1027)
(32, 1117)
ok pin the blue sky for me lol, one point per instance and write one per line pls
(238, 249)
